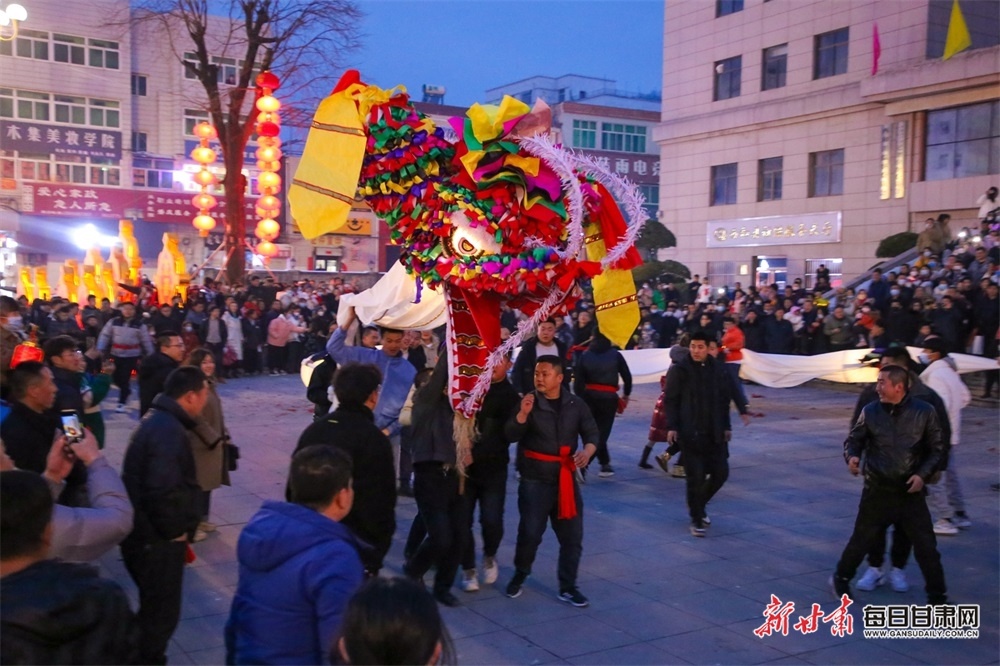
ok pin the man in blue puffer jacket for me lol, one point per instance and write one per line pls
(299, 566)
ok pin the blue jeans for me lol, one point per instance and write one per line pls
(538, 503)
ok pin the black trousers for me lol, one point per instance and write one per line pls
(538, 503)
(486, 484)
(604, 410)
(898, 554)
(122, 376)
(908, 511)
(158, 572)
(275, 358)
(707, 469)
(251, 359)
(440, 505)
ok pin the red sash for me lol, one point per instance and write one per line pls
(601, 387)
(567, 497)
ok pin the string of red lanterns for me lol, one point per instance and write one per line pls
(205, 179)
(268, 162)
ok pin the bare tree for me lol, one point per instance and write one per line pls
(299, 40)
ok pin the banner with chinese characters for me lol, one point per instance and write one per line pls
(778, 230)
(71, 200)
(42, 139)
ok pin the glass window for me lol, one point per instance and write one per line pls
(769, 179)
(774, 67)
(826, 173)
(71, 109)
(6, 103)
(29, 44)
(32, 105)
(227, 70)
(830, 53)
(651, 193)
(67, 48)
(963, 141)
(835, 266)
(139, 85)
(623, 138)
(192, 118)
(723, 184)
(103, 53)
(104, 113)
(139, 140)
(190, 62)
(727, 78)
(584, 133)
(726, 7)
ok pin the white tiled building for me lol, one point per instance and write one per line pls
(781, 150)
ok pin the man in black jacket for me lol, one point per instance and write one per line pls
(53, 612)
(351, 428)
(596, 381)
(29, 429)
(486, 477)
(156, 367)
(902, 443)
(901, 547)
(696, 397)
(66, 360)
(545, 343)
(547, 427)
(160, 477)
(436, 486)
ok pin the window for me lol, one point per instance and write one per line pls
(71, 109)
(6, 103)
(104, 113)
(190, 61)
(722, 274)
(139, 85)
(584, 133)
(963, 141)
(227, 70)
(148, 172)
(835, 266)
(651, 193)
(192, 118)
(32, 105)
(769, 179)
(139, 142)
(66, 48)
(34, 167)
(103, 53)
(773, 67)
(726, 7)
(71, 169)
(727, 78)
(104, 171)
(29, 44)
(623, 138)
(826, 173)
(723, 184)
(830, 53)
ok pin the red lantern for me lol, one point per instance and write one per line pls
(268, 129)
(26, 351)
(268, 80)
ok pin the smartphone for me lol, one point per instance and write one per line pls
(71, 426)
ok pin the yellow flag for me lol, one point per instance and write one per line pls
(614, 293)
(958, 33)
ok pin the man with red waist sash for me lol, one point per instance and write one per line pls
(596, 381)
(548, 427)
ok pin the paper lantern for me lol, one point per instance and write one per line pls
(203, 155)
(268, 129)
(205, 131)
(268, 142)
(203, 201)
(268, 80)
(269, 179)
(269, 118)
(269, 202)
(205, 178)
(266, 249)
(204, 224)
(268, 104)
(267, 229)
(269, 154)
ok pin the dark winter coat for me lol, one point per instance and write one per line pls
(27, 437)
(298, 570)
(691, 386)
(500, 403)
(897, 441)
(545, 431)
(160, 476)
(373, 518)
(153, 373)
(523, 375)
(56, 612)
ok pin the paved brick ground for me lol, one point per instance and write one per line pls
(658, 596)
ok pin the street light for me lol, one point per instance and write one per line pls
(10, 18)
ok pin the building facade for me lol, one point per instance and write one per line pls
(795, 134)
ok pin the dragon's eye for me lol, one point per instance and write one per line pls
(467, 241)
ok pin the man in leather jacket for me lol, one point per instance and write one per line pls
(900, 438)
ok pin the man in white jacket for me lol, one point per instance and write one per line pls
(945, 498)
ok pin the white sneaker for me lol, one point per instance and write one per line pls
(121, 409)
(944, 527)
(469, 581)
(897, 578)
(199, 535)
(206, 526)
(490, 570)
(870, 579)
